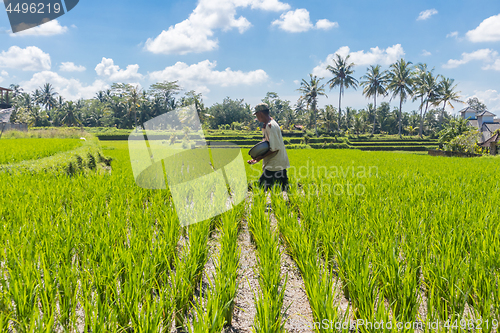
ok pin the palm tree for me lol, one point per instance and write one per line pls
(134, 97)
(16, 90)
(418, 84)
(328, 117)
(310, 91)
(70, 118)
(374, 84)
(447, 94)
(47, 96)
(429, 88)
(342, 77)
(400, 83)
(349, 114)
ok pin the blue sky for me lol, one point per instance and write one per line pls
(245, 48)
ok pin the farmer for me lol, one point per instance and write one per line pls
(275, 161)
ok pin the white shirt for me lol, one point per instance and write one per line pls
(272, 133)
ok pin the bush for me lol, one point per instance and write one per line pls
(465, 143)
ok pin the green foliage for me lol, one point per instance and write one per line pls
(229, 111)
(456, 127)
(17, 150)
(465, 143)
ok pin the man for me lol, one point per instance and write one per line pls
(275, 161)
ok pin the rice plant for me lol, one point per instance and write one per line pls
(269, 299)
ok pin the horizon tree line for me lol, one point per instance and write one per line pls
(126, 106)
(402, 80)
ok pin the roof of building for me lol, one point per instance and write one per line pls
(473, 123)
(485, 113)
(5, 89)
(491, 140)
(469, 109)
(491, 127)
(5, 115)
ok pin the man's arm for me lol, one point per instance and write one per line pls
(257, 159)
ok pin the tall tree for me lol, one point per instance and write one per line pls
(447, 95)
(70, 117)
(418, 88)
(16, 90)
(328, 116)
(134, 96)
(400, 80)
(476, 104)
(374, 83)
(310, 91)
(47, 96)
(342, 77)
(166, 91)
(428, 87)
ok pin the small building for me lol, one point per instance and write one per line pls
(6, 110)
(5, 98)
(483, 121)
(491, 143)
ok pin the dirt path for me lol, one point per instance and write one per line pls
(244, 310)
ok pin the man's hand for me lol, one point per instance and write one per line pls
(253, 161)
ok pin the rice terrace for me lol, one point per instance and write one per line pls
(414, 245)
(129, 206)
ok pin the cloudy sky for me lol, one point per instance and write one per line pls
(245, 48)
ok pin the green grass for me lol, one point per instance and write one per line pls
(413, 230)
(17, 150)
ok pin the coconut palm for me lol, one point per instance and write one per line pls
(429, 87)
(418, 84)
(47, 96)
(16, 90)
(342, 77)
(328, 116)
(70, 117)
(374, 84)
(400, 83)
(447, 94)
(310, 91)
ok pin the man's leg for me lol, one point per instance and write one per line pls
(267, 179)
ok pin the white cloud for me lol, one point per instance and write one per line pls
(195, 34)
(325, 24)
(489, 97)
(47, 29)
(70, 89)
(71, 67)
(487, 31)
(297, 82)
(453, 34)
(294, 21)
(426, 14)
(199, 76)
(299, 21)
(373, 57)
(111, 72)
(426, 53)
(29, 59)
(485, 55)
(494, 66)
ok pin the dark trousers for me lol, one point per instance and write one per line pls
(271, 178)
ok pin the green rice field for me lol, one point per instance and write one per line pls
(380, 241)
(17, 150)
